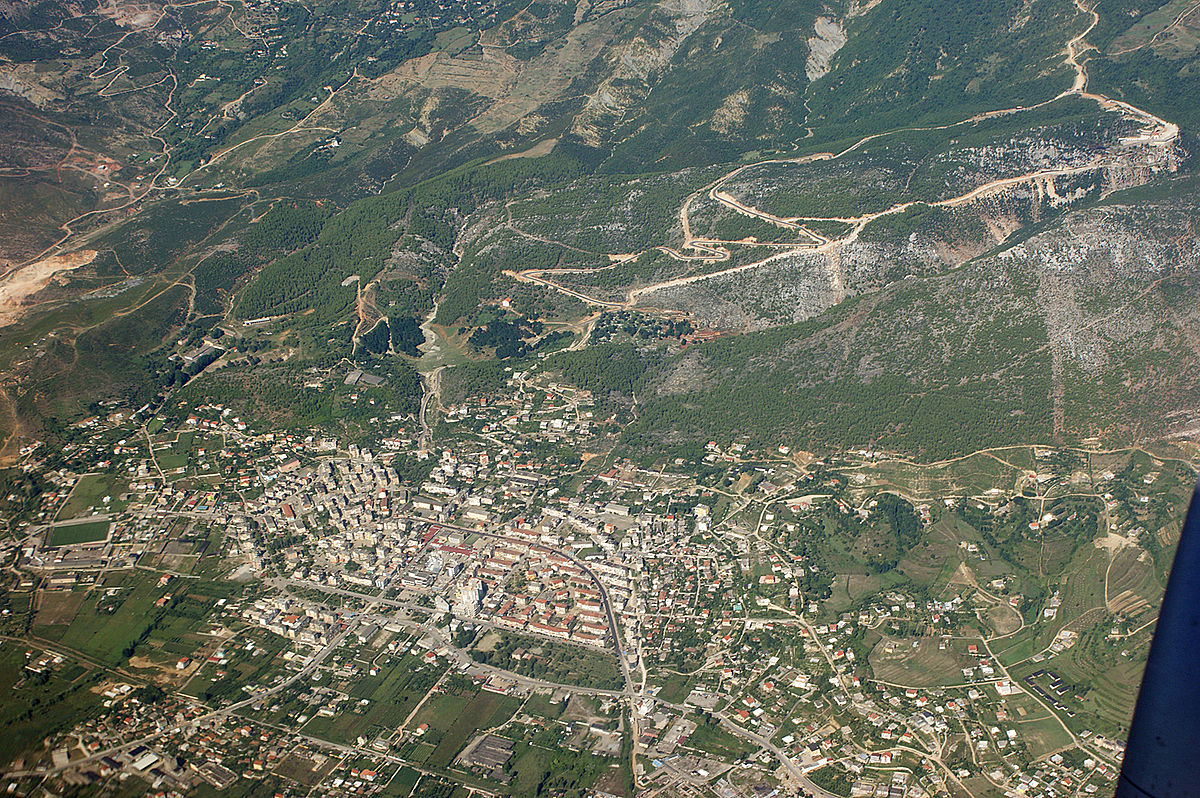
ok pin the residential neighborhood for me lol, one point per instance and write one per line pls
(313, 601)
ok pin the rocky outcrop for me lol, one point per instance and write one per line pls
(828, 37)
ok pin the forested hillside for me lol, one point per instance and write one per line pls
(833, 191)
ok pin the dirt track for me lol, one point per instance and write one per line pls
(704, 249)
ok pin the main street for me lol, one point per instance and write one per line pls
(632, 695)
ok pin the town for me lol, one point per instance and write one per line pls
(235, 605)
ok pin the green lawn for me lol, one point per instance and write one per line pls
(73, 534)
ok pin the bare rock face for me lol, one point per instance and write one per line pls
(1097, 279)
(828, 37)
(24, 81)
(1086, 329)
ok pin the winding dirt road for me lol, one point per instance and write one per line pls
(693, 248)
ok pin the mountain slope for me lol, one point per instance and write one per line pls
(292, 175)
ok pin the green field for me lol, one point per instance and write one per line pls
(112, 623)
(530, 768)
(1104, 673)
(712, 738)
(676, 687)
(392, 695)
(1043, 736)
(538, 704)
(552, 662)
(540, 767)
(454, 718)
(38, 705)
(177, 452)
(403, 782)
(88, 496)
(924, 665)
(72, 534)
